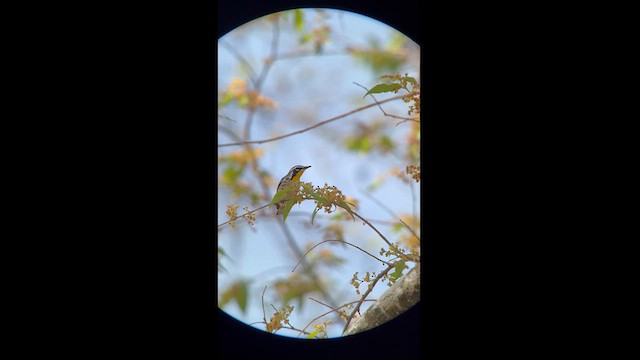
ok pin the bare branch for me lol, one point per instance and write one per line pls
(321, 303)
(373, 227)
(304, 53)
(404, 121)
(344, 242)
(384, 207)
(384, 112)
(264, 315)
(400, 297)
(225, 117)
(314, 126)
(234, 52)
(364, 296)
(243, 215)
(410, 229)
(332, 310)
(294, 329)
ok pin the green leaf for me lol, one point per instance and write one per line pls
(313, 334)
(399, 268)
(243, 100)
(310, 191)
(409, 79)
(287, 208)
(231, 175)
(226, 100)
(346, 207)
(360, 144)
(314, 214)
(386, 143)
(382, 88)
(305, 38)
(280, 195)
(221, 253)
(396, 42)
(241, 296)
(238, 292)
(299, 20)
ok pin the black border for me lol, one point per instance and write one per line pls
(121, 159)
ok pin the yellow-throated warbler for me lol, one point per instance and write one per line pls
(294, 175)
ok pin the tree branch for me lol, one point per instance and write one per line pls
(373, 227)
(364, 296)
(384, 112)
(333, 310)
(314, 126)
(243, 215)
(384, 207)
(344, 242)
(400, 297)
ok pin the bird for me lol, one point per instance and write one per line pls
(294, 175)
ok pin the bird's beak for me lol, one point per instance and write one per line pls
(306, 167)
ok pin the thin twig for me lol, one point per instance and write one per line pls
(313, 126)
(404, 121)
(300, 214)
(229, 132)
(294, 329)
(226, 117)
(410, 229)
(264, 314)
(282, 327)
(234, 52)
(384, 112)
(364, 296)
(373, 227)
(341, 241)
(243, 215)
(321, 303)
(384, 207)
(333, 310)
(304, 53)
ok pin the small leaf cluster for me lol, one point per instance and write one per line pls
(318, 36)
(370, 137)
(232, 170)
(320, 330)
(412, 142)
(279, 319)
(403, 82)
(295, 287)
(378, 59)
(291, 195)
(237, 91)
(327, 198)
(250, 216)
(414, 171)
(367, 278)
(398, 83)
(232, 212)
